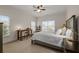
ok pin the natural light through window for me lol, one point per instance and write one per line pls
(48, 25)
(33, 25)
(6, 25)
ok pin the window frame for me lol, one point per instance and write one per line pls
(48, 22)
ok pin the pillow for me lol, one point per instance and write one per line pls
(63, 30)
(59, 31)
(69, 33)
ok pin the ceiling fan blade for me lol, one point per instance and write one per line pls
(42, 9)
(41, 5)
(38, 7)
(35, 6)
(35, 10)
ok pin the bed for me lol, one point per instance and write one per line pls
(55, 41)
(49, 39)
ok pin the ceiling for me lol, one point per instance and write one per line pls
(50, 9)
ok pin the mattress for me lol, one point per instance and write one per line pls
(49, 38)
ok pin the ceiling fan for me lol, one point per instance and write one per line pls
(39, 8)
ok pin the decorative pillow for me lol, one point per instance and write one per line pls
(63, 30)
(59, 31)
(69, 33)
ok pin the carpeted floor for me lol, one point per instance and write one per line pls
(25, 46)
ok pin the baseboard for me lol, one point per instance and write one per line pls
(10, 42)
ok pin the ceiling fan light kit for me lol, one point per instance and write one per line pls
(39, 8)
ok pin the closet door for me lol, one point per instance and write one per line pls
(1, 30)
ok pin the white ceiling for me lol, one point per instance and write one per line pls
(50, 9)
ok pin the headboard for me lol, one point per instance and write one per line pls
(71, 23)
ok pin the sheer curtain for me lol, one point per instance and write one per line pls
(33, 25)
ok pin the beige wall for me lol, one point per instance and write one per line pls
(17, 17)
(72, 10)
(58, 17)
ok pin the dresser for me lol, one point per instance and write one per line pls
(1, 37)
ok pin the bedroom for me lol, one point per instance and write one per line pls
(24, 16)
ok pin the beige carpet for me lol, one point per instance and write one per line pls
(25, 46)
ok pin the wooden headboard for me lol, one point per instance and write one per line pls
(72, 24)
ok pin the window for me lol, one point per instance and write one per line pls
(48, 25)
(44, 25)
(33, 25)
(6, 24)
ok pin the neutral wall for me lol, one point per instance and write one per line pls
(17, 18)
(58, 17)
(72, 10)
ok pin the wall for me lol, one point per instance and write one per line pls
(58, 17)
(17, 18)
(72, 10)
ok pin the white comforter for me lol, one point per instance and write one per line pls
(49, 38)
